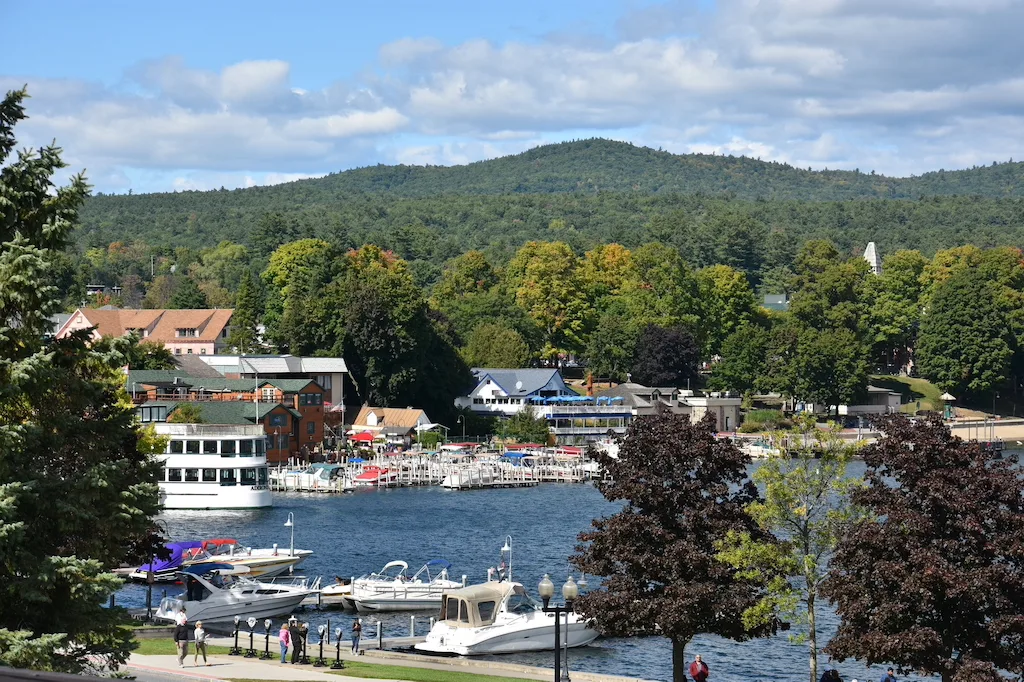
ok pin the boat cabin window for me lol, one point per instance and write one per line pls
(177, 447)
(174, 474)
(227, 448)
(245, 448)
(486, 611)
(262, 472)
(209, 447)
(463, 611)
(192, 447)
(209, 475)
(520, 602)
(261, 447)
(248, 477)
(191, 475)
(227, 477)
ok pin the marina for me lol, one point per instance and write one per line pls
(353, 534)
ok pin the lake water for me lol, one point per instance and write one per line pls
(358, 533)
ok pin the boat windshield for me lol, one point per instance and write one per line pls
(520, 602)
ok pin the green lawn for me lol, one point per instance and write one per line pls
(155, 647)
(400, 672)
(912, 390)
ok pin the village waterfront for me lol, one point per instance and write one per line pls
(357, 533)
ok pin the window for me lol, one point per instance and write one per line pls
(186, 332)
(478, 401)
(310, 399)
(245, 448)
(177, 351)
(192, 447)
(278, 420)
(486, 610)
(202, 351)
(174, 474)
(262, 473)
(248, 476)
(191, 475)
(282, 441)
(463, 611)
(209, 475)
(190, 351)
(209, 447)
(227, 477)
(177, 447)
(261, 447)
(310, 428)
(324, 380)
(227, 448)
(269, 394)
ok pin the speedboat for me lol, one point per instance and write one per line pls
(372, 476)
(500, 618)
(391, 591)
(216, 593)
(260, 562)
(164, 570)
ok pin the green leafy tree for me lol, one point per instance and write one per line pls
(526, 426)
(806, 507)
(495, 345)
(682, 490)
(662, 289)
(829, 368)
(894, 307)
(930, 580)
(728, 303)
(612, 344)
(77, 486)
(469, 273)
(187, 413)
(964, 344)
(546, 285)
(743, 360)
(149, 355)
(187, 296)
(665, 357)
(603, 272)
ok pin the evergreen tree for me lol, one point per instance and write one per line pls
(188, 296)
(244, 336)
(77, 486)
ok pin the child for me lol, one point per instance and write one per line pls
(200, 637)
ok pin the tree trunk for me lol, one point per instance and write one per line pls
(812, 634)
(678, 660)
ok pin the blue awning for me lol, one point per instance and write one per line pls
(516, 455)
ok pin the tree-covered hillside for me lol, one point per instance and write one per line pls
(375, 197)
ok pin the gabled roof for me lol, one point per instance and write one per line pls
(288, 385)
(161, 323)
(516, 382)
(230, 412)
(194, 367)
(392, 417)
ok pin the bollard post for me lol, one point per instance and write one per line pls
(412, 626)
(380, 637)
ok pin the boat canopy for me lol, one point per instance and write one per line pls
(223, 569)
(475, 606)
(177, 550)
(357, 460)
(439, 562)
(515, 454)
(364, 437)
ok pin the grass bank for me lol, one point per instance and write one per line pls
(161, 646)
(401, 672)
(914, 392)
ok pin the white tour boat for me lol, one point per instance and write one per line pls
(395, 591)
(218, 592)
(500, 618)
(213, 466)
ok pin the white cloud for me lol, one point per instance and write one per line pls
(897, 87)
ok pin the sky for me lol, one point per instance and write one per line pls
(186, 95)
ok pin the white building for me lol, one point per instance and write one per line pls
(871, 256)
(504, 392)
(877, 401)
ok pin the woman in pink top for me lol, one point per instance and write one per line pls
(285, 638)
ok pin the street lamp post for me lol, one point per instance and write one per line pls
(462, 420)
(290, 524)
(570, 590)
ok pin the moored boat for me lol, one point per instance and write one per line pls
(259, 562)
(163, 570)
(423, 591)
(373, 475)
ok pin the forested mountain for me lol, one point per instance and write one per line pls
(603, 189)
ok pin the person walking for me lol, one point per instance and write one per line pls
(699, 669)
(357, 631)
(200, 637)
(181, 641)
(284, 638)
(294, 638)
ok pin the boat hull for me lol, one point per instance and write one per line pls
(500, 640)
(264, 607)
(424, 603)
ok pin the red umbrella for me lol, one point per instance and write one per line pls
(364, 437)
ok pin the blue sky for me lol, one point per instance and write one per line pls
(190, 95)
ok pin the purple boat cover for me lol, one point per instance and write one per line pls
(174, 561)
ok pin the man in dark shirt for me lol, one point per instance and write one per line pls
(293, 631)
(181, 641)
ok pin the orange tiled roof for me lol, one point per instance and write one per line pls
(161, 323)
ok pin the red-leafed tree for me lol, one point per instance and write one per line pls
(684, 491)
(934, 580)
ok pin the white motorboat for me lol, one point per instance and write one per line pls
(500, 618)
(263, 563)
(391, 591)
(217, 593)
